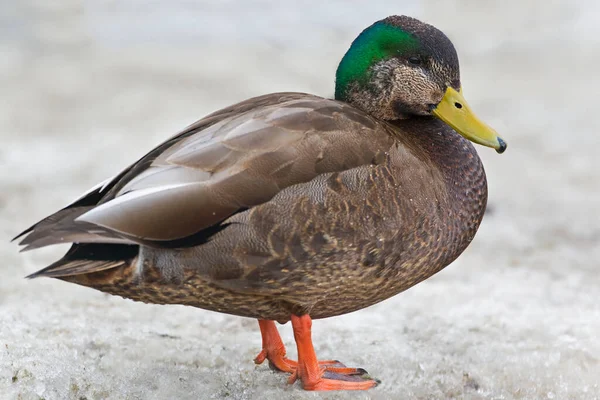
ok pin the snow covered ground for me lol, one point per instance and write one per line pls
(88, 86)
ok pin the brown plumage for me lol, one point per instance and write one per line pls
(282, 206)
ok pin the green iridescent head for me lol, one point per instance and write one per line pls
(379, 42)
(399, 67)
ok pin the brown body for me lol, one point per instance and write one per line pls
(337, 243)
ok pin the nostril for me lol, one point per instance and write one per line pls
(457, 105)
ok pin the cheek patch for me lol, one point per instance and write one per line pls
(414, 91)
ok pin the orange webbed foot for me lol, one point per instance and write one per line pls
(317, 377)
(314, 374)
(333, 378)
(274, 351)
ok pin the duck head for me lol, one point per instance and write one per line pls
(401, 67)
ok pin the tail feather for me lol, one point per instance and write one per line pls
(88, 258)
(61, 237)
(61, 227)
(51, 222)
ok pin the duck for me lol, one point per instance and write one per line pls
(295, 207)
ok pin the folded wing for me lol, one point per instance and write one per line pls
(230, 161)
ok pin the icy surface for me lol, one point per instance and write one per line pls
(89, 86)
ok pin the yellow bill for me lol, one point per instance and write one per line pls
(454, 110)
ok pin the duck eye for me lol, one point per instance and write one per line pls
(414, 60)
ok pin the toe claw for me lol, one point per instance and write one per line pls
(293, 377)
(261, 357)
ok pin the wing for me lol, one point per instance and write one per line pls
(228, 162)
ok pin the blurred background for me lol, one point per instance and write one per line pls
(86, 87)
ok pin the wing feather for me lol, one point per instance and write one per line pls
(230, 161)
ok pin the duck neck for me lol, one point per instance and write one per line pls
(460, 167)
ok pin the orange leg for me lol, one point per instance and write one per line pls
(273, 350)
(318, 377)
